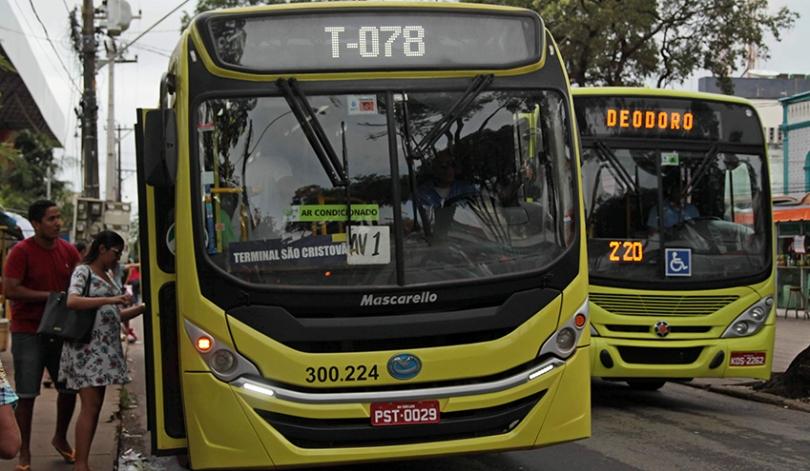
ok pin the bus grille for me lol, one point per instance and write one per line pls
(659, 356)
(645, 305)
(335, 433)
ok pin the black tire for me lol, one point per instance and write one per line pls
(646, 384)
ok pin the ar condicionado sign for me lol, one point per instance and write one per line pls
(641, 119)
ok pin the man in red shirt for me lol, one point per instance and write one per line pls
(36, 267)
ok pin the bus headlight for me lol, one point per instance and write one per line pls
(223, 361)
(563, 343)
(225, 364)
(751, 320)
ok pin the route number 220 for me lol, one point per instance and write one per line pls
(633, 251)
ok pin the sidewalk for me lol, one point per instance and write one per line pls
(43, 457)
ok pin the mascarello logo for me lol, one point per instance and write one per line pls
(418, 298)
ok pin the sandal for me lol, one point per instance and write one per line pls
(22, 467)
(68, 456)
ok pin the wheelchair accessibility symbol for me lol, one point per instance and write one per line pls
(679, 262)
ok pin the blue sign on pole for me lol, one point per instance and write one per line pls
(679, 262)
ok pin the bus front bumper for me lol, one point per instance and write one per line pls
(744, 357)
(250, 424)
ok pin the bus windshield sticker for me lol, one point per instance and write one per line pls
(333, 213)
(315, 251)
(678, 262)
(371, 245)
(669, 159)
(361, 104)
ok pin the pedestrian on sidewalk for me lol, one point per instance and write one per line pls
(90, 368)
(9, 432)
(37, 266)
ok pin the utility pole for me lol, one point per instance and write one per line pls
(112, 185)
(118, 16)
(118, 130)
(88, 105)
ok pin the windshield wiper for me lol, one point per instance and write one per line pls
(407, 143)
(701, 171)
(479, 83)
(606, 155)
(326, 154)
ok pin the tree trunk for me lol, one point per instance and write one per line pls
(795, 383)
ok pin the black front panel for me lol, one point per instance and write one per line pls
(320, 433)
(660, 356)
(333, 332)
(172, 395)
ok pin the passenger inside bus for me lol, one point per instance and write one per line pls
(444, 186)
(676, 209)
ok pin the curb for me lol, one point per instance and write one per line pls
(745, 392)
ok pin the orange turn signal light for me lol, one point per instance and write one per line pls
(580, 320)
(204, 344)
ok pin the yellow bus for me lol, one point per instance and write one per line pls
(680, 239)
(349, 252)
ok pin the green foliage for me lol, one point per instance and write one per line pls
(629, 42)
(24, 171)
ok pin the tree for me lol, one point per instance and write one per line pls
(24, 170)
(630, 42)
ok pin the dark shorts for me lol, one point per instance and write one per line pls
(32, 354)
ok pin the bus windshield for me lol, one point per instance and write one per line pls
(703, 212)
(480, 184)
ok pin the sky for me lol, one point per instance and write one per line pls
(136, 84)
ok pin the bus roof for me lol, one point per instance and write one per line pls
(356, 4)
(656, 92)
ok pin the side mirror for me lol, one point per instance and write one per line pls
(160, 140)
(159, 148)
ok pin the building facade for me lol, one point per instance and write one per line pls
(766, 94)
(796, 144)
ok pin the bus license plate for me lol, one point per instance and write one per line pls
(747, 359)
(404, 413)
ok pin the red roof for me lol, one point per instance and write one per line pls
(791, 213)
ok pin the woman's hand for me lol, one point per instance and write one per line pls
(121, 299)
(132, 311)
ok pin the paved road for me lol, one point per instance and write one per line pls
(676, 428)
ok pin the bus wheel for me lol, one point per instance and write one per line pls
(646, 384)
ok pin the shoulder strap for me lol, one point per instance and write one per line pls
(86, 290)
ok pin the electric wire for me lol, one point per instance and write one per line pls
(48, 38)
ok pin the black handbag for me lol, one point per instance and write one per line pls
(66, 324)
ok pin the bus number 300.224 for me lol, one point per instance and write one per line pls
(334, 374)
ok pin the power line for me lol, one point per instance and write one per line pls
(48, 38)
(151, 49)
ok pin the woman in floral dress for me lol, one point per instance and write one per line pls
(91, 367)
(9, 432)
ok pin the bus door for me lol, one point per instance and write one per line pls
(156, 204)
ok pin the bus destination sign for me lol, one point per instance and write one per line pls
(665, 118)
(382, 39)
